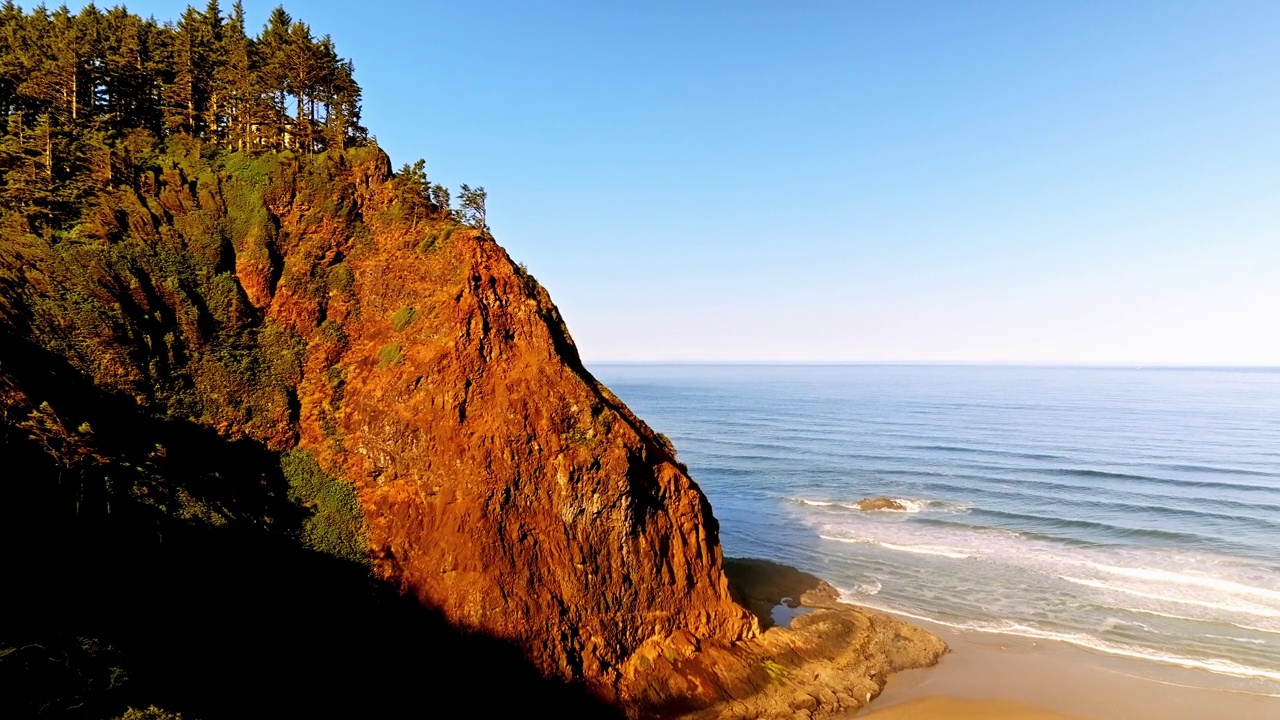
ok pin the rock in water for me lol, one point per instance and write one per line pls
(880, 503)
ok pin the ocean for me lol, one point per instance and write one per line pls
(1129, 511)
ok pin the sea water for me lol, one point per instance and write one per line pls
(1130, 511)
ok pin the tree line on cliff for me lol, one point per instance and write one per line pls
(90, 98)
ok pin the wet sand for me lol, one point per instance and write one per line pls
(1011, 678)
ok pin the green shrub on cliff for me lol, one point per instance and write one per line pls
(336, 525)
(403, 318)
(389, 354)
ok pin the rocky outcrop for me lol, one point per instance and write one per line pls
(881, 503)
(507, 488)
(502, 485)
(827, 662)
(762, 585)
(337, 311)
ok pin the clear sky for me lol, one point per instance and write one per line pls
(1072, 182)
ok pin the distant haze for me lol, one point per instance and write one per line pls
(1087, 182)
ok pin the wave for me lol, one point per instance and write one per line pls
(1100, 528)
(1255, 628)
(1244, 609)
(963, 449)
(1182, 579)
(1251, 641)
(1187, 618)
(869, 588)
(909, 505)
(813, 503)
(1214, 665)
(918, 549)
(1218, 470)
(1109, 475)
(999, 486)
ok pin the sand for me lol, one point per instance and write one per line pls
(1012, 678)
(959, 709)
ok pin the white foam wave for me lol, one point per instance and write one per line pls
(1246, 609)
(1214, 665)
(918, 549)
(1171, 616)
(926, 550)
(871, 588)
(1176, 578)
(1251, 641)
(909, 505)
(1111, 623)
(1269, 631)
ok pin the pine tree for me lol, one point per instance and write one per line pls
(272, 76)
(233, 79)
(86, 96)
(473, 210)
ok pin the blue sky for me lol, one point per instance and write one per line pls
(854, 181)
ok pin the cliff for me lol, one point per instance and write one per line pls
(501, 483)
(221, 309)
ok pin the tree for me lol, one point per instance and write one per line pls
(415, 177)
(85, 96)
(233, 80)
(440, 196)
(472, 210)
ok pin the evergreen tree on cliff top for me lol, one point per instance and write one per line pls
(87, 97)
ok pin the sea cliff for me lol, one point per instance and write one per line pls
(436, 423)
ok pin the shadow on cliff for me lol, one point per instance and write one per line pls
(105, 610)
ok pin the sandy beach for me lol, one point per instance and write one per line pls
(1010, 678)
(965, 709)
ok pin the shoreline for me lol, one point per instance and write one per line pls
(1006, 676)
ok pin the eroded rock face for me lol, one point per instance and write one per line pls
(501, 483)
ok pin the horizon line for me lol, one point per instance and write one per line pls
(948, 363)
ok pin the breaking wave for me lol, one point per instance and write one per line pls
(1219, 666)
(918, 549)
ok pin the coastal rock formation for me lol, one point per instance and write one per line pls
(405, 354)
(292, 431)
(881, 503)
(502, 484)
(829, 661)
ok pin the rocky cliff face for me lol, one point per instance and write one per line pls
(501, 483)
(319, 302)
(322, 304)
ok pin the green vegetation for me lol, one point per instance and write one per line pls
(150, 713)
(389, 355)
(87, 95)
(436, 238)
(777, 673)
(336, 525)
(403, 318)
